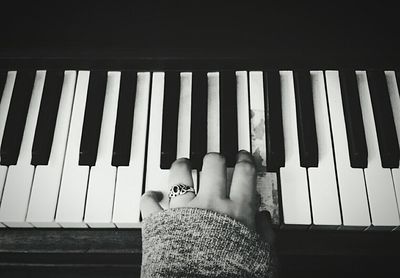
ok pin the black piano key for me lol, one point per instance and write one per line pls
(198, 125)
(353, 118)
(93, 117)
(124, 124)
(47, 117)
(384, 122)
(273, 121)
(308, 144)
(3, 78)
(170, 119)
(16, 118)
(397, 74)
(228, 111)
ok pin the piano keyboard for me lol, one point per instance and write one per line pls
(78, 148)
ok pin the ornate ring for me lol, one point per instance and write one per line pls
(179, 189)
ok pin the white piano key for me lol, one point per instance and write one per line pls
(294, 187)
(129, 183)
(4, 106)
(243, 111)
(380, 187)
(5, 101)
(266, 181)
(396, 181)
(257, 99)
(157, 178)
(322, 179)
(213, 113)
(184, 120)
(71, 199)
(100, 195)
(393, 88)
(18, 183)
(185, 100)
(351, 184)
(3, 175)
(214, 121)
(47, 178)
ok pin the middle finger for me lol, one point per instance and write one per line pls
(213, 177)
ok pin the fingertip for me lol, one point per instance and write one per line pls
(244, 155)
(182, 162)
(243, 151)
(213, 158)
(149, 203)
(152, 194)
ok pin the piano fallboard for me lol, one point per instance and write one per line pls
(101, 253)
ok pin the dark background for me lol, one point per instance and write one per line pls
(273, 33)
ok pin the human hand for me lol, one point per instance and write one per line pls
(239, 200)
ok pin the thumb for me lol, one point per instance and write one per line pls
(149, 203)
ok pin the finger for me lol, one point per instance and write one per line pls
(264, 226)
(243, 188)
(149, 203)
(181, 172)
(213, 177)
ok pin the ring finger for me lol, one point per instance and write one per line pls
(181, 173)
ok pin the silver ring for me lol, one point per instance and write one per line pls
(179, 189)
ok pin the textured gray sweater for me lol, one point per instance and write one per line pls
(191, 242)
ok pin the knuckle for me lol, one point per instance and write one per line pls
(216, 157)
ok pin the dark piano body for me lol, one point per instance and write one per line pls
(206, 35)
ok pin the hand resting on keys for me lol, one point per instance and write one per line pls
(217, 232)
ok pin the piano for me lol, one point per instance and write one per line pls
(98, 99)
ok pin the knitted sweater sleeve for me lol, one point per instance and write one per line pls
(192, 242)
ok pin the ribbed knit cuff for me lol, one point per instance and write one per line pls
(192, 242)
